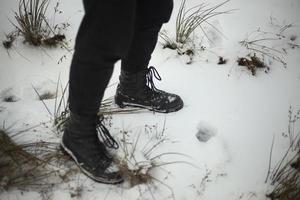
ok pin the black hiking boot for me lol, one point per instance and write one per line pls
(81, 142)
(138, 90)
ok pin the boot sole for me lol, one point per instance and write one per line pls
(126, 104)
(97, 179)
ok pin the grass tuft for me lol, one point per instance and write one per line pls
(285, 176)
(138, 161)
(267, 47)
(187, 22)
(10, 38)
(33, 165)
(252, 63)
(32, 24)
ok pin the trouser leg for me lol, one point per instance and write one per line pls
(150, 17)
(141, 48)
(104, 37)
(107, 28)
(87, 85)
(136, 87)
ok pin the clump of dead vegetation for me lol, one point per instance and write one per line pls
(222, 60)
(10, 39)
(252, 63)
(260, 49)
(32, 165)
(108, 107)
(187, 22)
(266, 47)
(139, 163)
(285, 177)
(32, 24)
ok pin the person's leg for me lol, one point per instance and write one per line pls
(87, 84)
(150, 17)
(103, 37)
(141, 48)
(136, 86)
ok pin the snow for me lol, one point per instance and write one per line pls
(242, 112)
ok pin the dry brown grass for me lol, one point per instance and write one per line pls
(18, 167)
(287, 181)
(189, 20)
(32, 24)
(265, 47)
(10, 39)
(140, 163)
(286, 175)
(30, 166)
(108, 107)
(252, 64)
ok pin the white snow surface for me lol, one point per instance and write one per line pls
(243, 112)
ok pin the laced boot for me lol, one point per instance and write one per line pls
(138, 90)
(81, 142)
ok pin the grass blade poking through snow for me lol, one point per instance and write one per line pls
(137, 160)
(285, 176)
(187, 22)
(32, 24)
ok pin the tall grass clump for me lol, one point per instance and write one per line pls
(264, 48)
(31, 20)
(33, 25)
(188, 20)
(31, 166)
(285, 177)
(19, 168)
(139, 160)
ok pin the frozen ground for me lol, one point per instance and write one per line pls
(239, 111)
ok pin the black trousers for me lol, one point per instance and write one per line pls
(112, 30)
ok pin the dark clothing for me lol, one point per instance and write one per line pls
(112, 30)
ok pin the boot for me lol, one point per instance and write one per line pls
(138, 90)
(81, 142)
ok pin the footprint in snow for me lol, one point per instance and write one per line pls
(205, 131)
(8, 96)
(38, 88)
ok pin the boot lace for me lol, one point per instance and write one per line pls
(152, 72)
(105, 136)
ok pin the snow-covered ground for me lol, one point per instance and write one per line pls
(243, 112)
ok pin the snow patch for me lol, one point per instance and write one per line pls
(171, 99)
